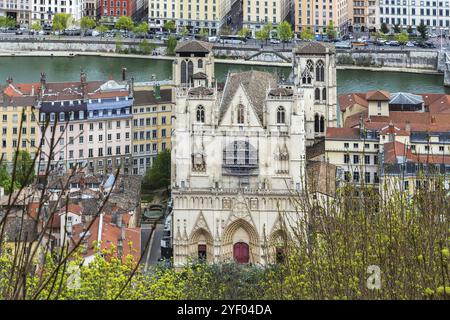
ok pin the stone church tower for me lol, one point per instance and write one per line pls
(238, 156)
(314, 76)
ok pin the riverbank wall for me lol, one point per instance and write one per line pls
(416, 61)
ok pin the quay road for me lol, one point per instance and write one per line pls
(251, 44)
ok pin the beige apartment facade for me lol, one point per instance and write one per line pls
(364, 15)
(317, 15)
(19, 10)
(257, 13)
(195, 15)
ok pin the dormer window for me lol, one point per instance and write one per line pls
(61, 116)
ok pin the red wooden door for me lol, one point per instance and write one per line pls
(241, 252)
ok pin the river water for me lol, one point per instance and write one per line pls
(28, 69)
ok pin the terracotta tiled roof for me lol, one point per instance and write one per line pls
(350, 99)
(395, 149)
(343, 133)
(110, 236)
(377, 95)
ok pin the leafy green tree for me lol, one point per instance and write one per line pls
(141, 28)
(169, 26)
(24, 173)
(87, 23)
(158, 176)
(119, 43)
(125, 23)
(264, 33)
(402, 38)
(6, 181)
(285, 32)
(7, 22)
(36, 27)
(410, 30)
(423, 30)
(203, 33)
(184, 32)
(307, 34)
(62, 21)
(397, 28)
(245, 32)
(225, 31)
(331, 31)
(384, 28)
(146, 47)
(171, 45)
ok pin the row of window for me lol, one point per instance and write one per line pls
(369, 177)
(149, 121)
(356, 159)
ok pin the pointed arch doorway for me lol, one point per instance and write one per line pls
(241, 253)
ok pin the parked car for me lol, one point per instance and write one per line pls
(393, 43)
(275, 41)
(19, 32)
(343, 45)
(409, 44)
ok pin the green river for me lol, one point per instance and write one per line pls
(27, 69)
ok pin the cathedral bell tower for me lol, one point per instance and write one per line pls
(314, 67)
(194, 65)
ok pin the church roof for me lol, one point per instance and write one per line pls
(255, 84)
(283, 92)
(201, 91)
(314, 47)
(194, 46)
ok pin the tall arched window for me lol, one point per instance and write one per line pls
(200, 64)
(190, 72)
(317, 94)
(183, 72)
(316, 123)
(324, 94)
(322, 124)
(200, 114)
(310, 65)
(281, 115)
(320, 71)
(240, 114)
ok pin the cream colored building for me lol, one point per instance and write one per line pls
(19, 10)
(257, 13)
(152, 125)
(364, 15)
(193, 14)
(317, 15)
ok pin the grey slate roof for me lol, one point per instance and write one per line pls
(314, 47)
(255, 84)
(194, 46)
(200, 75)
(405, 98)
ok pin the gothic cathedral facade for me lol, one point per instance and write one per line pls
(238, 152)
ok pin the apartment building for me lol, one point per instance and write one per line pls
(19, 10)
(434, 14)
(317, 15)
(152, 119)
(111, 10)
(19, 126)
(195, 15)
(43, 11)
(89, 8)
(364, 15)
(86, 124)
(257, 13)
(391, 136)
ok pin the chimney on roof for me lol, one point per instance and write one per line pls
(408, 126)
(124, 73)
(120, 243)
(433, 120)
(83, 81)
(9, 80)
(43, 79)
